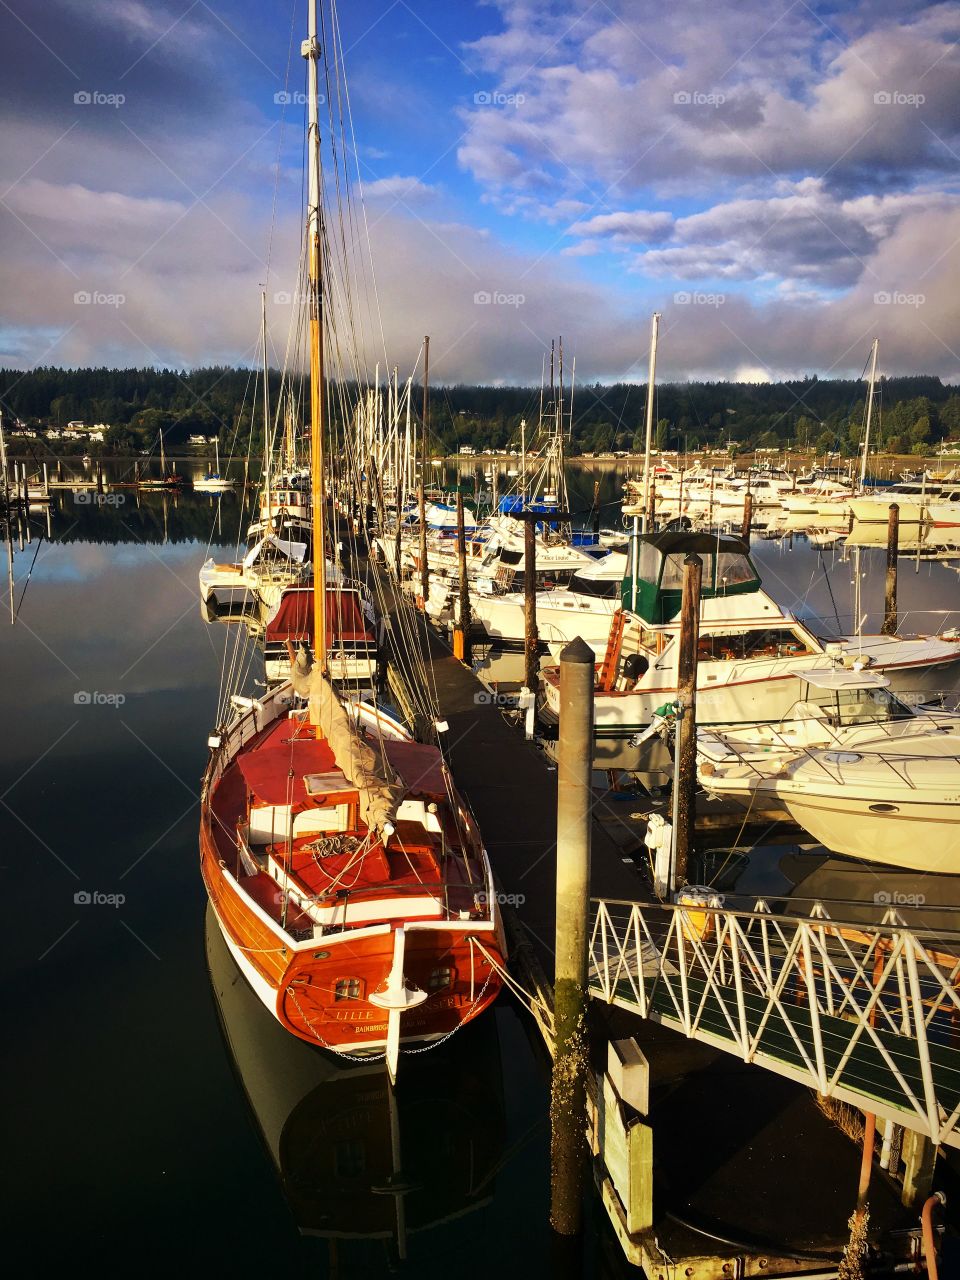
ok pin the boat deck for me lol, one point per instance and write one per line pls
(329, 868)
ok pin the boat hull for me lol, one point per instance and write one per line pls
(322, 981)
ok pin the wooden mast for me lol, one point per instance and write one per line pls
(310, 49)
(266, 410)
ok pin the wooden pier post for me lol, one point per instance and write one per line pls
(531, 637)
(568, 1148)
(889, 627)
(462, 648)
(747, 516)
(99, 476)
(685, 764)
(651, 500)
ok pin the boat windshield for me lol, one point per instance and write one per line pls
(727, 569)
(599, 588)
(861, 706)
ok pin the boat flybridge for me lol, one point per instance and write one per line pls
(751, 649)
(862, 771)
(584, 607)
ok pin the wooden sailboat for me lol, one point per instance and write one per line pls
(348, 878)
(167, 479)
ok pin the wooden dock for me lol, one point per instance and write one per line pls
(718, 1211)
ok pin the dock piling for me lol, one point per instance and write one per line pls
(531, 642)
(462, 648)
(747, 516)
(571, 1063)
(889, 627)
(685, 764)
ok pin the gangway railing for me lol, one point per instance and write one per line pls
(866, 1014)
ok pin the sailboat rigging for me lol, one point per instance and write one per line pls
(346, 873)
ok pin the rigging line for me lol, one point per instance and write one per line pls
(29, 573)
(283, 122)
(826, 578)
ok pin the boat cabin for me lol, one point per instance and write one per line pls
(653, 586)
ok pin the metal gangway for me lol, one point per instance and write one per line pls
(866, 1014)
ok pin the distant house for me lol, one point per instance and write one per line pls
(466, 450)
(200, 439)
(53, 433)
(76, 425)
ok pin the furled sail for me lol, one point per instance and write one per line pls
(365, 768)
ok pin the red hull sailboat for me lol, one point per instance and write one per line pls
(347, 876)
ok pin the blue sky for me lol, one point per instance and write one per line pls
(779, 180)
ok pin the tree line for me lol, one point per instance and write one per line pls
(911, 414)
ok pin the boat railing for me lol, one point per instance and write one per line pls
(864, 1012)
(934, 623)
(839, 744)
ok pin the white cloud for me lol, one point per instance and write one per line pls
(397, 187)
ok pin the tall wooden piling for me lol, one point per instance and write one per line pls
(747, 516)
(568, 1149)
(99, 476)
(685, 764)
(462, 647)
(651, 499)
(531, 637)
(889, 627)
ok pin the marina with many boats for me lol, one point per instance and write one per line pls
(526, 863)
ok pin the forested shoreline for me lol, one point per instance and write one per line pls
(912, 414)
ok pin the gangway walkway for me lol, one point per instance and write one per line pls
(866, 1014)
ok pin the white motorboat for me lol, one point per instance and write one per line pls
(864, 773)
(751, 649)
(582, 608)
(270, 566)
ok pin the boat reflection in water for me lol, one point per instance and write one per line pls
(357, 1158)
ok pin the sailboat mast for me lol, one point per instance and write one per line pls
(866, 434)
(310, 49)
(654, 333)
(266, 404)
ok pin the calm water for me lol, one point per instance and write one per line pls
(129, 1131)
(153, 1113)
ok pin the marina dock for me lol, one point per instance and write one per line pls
(725, 1134)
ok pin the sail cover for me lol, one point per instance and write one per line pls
(363, 767)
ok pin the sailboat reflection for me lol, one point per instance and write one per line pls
(358, 1159)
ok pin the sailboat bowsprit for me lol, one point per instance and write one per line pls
(346, 874)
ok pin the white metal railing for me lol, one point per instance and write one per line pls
(867, 1014)
(773, 746)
